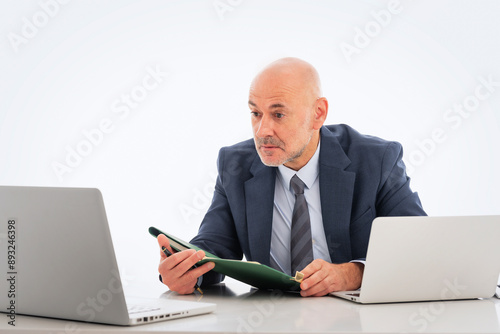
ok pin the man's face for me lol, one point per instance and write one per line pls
(281, 121)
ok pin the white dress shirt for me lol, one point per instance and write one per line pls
(284, 201)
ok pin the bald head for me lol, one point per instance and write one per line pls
(288, 110)
(293, 74)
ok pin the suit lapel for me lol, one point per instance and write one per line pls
(259, 198)
(336, 192)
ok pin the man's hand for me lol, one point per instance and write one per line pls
(321, 277)
(175, 270)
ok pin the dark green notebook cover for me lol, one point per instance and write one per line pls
(252, 273)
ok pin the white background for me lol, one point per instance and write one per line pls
(157, 164)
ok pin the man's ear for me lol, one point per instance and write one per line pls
(320, 112)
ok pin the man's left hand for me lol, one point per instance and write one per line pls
(321, 277)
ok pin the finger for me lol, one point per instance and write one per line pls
(315, 273)
(173, 261)
(188, 262)
(185, 284)
(318, 294)
(311, 281)
(315, 283)
(319, 289)
(311, 268)
(193, 274)
(169, 268)
(320, 284)
(163, 242)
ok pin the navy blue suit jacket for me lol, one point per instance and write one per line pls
(361, 177)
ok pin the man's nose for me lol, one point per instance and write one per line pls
(265, 128)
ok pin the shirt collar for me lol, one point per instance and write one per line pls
(308, 174)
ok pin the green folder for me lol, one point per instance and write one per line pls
(252, 273)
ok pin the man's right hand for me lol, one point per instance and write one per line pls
(175, 270)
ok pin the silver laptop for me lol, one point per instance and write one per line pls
(58, 260)
(430, 258)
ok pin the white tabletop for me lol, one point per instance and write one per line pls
(241, 309)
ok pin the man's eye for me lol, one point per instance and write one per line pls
(279, 115)
(254, 114)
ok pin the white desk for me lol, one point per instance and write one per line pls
(241, 309)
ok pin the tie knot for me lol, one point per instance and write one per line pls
(297, 185)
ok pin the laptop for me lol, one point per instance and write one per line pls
(58, 260)
(430, 258)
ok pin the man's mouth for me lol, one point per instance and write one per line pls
(269, 147)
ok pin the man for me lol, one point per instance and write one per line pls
(329, 180)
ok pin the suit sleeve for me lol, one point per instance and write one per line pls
(217, 233)
(394, 196)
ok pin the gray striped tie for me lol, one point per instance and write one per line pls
(301, 240)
